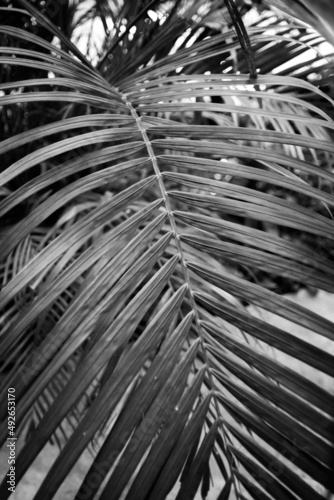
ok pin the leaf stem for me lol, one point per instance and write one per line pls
(171, 217)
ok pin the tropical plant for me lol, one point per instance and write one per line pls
(159, 186)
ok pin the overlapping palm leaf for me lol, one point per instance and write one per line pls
(134, 227)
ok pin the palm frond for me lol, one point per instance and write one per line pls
(141, 223)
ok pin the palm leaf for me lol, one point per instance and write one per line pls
(138, 224)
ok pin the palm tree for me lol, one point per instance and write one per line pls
(160, 188)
